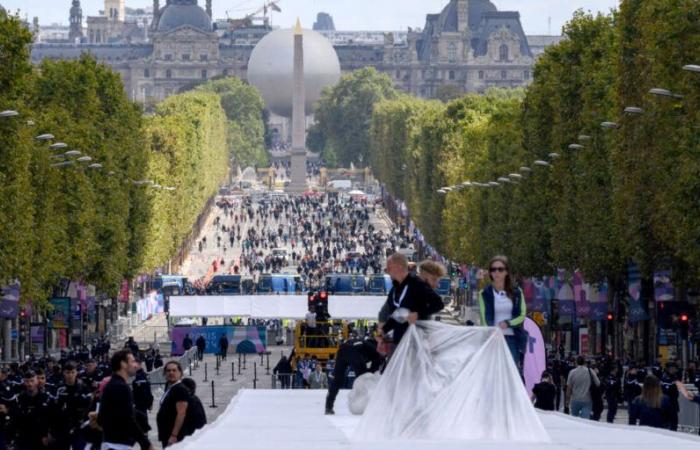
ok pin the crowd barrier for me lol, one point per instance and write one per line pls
(689, 414)
(156, 376)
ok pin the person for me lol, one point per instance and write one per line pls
(668, 386)
(353, 355)
(578, 389)
(187, 342)
(687, 394)
(195, 418)
(283, 370)
(409, 293)
(318, 379)
(173, 406)
(32, 416)
(116, 415)
(612, 393)
(133, 346)
(143, 397)
(201, 346)
(223, 346)
(431, 271)
(502, 304)
(544, 393)
(73, 399)
(652, 408)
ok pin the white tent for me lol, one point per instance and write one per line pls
(273, 306)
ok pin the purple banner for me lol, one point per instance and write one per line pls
(599, 303)
(634, 287)
(535, 361)
(567, 305)
(663, 287)
(9, 308)
(580, 296)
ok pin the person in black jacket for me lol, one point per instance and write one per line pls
(283, 370)
(32, 416)
(195, 418)
(612, 393)
(353, 355)
(143, 397)
(187, 342)
(651, 408)
(223, 346)
(116, 415)
(410, 293)
(201, 346)
(73, 400)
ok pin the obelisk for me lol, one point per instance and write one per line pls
(298, 181)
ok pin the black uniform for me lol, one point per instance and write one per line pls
(72, 404)
(201, 345)
(612, 395)
(415, 295)
(352, 355)
(668, 385)
(143, 398)
(31, 420)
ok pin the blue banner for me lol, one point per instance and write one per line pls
(636, 311)
(241, 339)
(9, 308)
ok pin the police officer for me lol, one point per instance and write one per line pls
(32, 416)
(143, 397)
(43, 384)
(668, 385)
(73, 400)
(92, 375)
(353, 355)
(613, 390)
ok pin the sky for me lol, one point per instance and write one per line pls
(348, 14)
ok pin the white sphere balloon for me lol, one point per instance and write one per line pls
(271, 69)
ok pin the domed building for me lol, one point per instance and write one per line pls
(179, 13)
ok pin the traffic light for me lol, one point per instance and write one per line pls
(684, 325)
(22, 313)
(611, 317)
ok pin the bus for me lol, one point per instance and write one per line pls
(379, 284)
(345, 284)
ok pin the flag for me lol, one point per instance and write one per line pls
(663, 287)
(598, 301)
(634, 288)
(582, 306)
(274, 7)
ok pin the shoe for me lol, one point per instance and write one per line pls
(329, 412)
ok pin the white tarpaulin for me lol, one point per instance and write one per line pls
(294, 420)
(273, 306)
(451, 382)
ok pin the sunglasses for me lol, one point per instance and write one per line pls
(497, 269)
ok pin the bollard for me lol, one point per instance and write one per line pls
(244, 361)
(255, 375)
(239, 364)
(190, 367)
(261, 358)
(267, 369)
(218, 361)
(205, 373)
(213, 402)
(233, 371)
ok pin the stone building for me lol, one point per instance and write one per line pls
(468, 47)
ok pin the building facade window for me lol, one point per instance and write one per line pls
(481, 74)
(526, 75)
(168, 73)
(503, 53)
(146, 73)
(225, 72)
(204, 74)
(452, 52)
(504, 74)
(398, 74)
(203, 57)
(186, 57)
(452, 75)
(168, 57)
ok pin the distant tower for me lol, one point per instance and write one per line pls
(209, 10)
(462, 15)
(298, 181)
(156, 13)
(115, 10)
(76, 21)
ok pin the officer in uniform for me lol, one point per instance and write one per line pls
(353, 355)
(32, 416)
(91, 376)
(613, 390)
(73, 399)
(668, 385)
(143, 397)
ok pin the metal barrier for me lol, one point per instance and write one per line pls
(156, 376)
(689, 414)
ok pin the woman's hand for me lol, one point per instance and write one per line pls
(503, 325)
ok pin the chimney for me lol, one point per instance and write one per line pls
(462, 15)
(209, 10)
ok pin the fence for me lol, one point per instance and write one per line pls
(156, 376)
(689, 414)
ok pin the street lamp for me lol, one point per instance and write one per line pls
(692, 68)
(95, 166)
(72, 153)
(44, 137)
(553, 155)
(58, 146)
(634, 111)
(660, 92)
(83, 158)
(503, 179)
(525, 169)
(584, 137)
(467, 183)
(517, 176)
(539, 162)
(610, 125)
(441, 191)
(576, 147)
(9, 113)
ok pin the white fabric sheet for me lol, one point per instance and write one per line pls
(273, 306)
(294, 420)
(451, 382)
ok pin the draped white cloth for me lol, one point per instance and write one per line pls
(450, 382)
